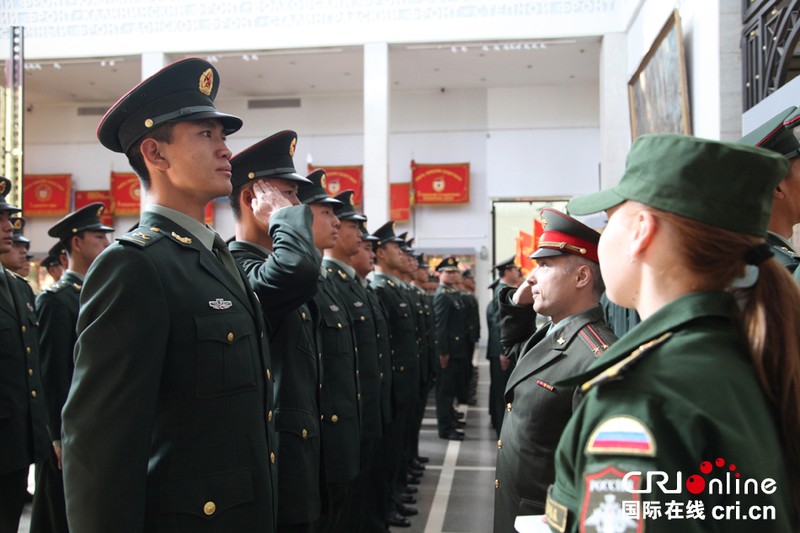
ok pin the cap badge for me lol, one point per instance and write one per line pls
(292, 146)
(544, 221)
(323, 182)
(3, 187)
(352, 199)
(393, 226)
(18, 223)
(220, 304)
(100, 211)
(207, 82)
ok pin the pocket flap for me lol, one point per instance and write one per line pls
(301, 423)
(224, 327)
(207, 496)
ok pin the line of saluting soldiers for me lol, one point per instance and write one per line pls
(190, 385)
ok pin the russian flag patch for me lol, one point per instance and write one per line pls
(621, 435)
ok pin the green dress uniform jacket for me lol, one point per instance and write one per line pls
(284, 280)
(23, 413)
(783, 251)
(416, 296)
(677, 398)
(402, 330)
(384, 354)
(494, 348)
(57, 310)
(166, 424)
(537, 410)
(473, 317)
(451, 323)
(339, 396)
(354, 296)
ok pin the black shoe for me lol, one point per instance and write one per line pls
(412, 480)
(407, 498)
(453, 435)
(397, 520)
(460, 424)
(414, 472)
(422, 459)
(416, 465)
(410, 490)
(406, 510)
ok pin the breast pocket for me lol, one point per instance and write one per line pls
(227, 355)
(336, 338)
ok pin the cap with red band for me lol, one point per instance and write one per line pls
(565, 235)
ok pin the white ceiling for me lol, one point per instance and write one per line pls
(102, 80)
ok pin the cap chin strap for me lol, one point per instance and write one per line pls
(182, 112)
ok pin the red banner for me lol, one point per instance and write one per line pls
(343, 178)
(209, 213)
(47, 194)
(84, 198)
(400, 202)
(440, 184)
(524, 248)
(125, 194)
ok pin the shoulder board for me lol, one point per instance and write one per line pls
(390, 282)
(791, 254)
(615, 370)
(61, 285)
(142, 236)
(590, 335)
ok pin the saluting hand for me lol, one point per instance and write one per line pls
(268, 200)
(523, 295)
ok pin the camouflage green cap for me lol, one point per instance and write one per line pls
(703, 180)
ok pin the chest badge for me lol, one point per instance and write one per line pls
(220, 304)
(560, 341)
(358, 304)
(334, 308)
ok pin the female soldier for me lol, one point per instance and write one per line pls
(690, 422)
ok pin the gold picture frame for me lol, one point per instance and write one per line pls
(658, 90)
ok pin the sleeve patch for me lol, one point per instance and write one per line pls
(607, 503)
(621, 435)
(555, 512)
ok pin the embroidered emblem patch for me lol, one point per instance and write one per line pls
(556, 513)
(621, 435)
(604, 502)
(220, 304)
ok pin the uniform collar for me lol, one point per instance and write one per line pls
(78, 275)
(263, 249)
(350, 271)
(201, 231)
(772, 236)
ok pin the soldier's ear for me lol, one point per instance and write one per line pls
(151, 152)
(246, 197)
(583, 276)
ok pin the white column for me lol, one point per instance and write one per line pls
(152, 62)
(376, 133)
(615, 125)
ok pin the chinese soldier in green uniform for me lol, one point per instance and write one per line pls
(83, 236)
(275, 247)
(23, 413)
(166, 425)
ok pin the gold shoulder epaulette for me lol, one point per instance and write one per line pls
(15, 275)
(616, 369)
(144, 236)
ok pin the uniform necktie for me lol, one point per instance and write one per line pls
(225, 257)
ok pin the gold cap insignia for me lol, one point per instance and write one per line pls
(544, 220)
(393, 226)
(292, 146)
(3, 187)
(352, 199)
(323, 182)
(100, 211)
(18, 224)
(207, 82)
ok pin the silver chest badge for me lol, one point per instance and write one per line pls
(220, 304)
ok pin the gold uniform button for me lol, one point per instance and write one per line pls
(402, 368)
(272, 457)
(339, 325)
(24, 329)
(33, 393)
(508, 407)
(357, 373)
(30, 371)
(457, 337)
(499, 444)
(27, 349)
(334, 419)
(230, 339)
(362, 318)
(358, 396)
(497, 483)
(379, 335)
(304, 434)
(303, 315)
(269, 375)
(269, 416)
(381, 375)
(209, 508)
(380, 356)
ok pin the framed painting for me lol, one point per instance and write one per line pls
(658, 91)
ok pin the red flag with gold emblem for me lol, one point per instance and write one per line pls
(342, 178)
(125, 194)
(440, 183)
(400, 202)
(524, 245)
(47, 194)
(84, 198)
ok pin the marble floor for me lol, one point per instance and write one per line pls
(456, 493)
